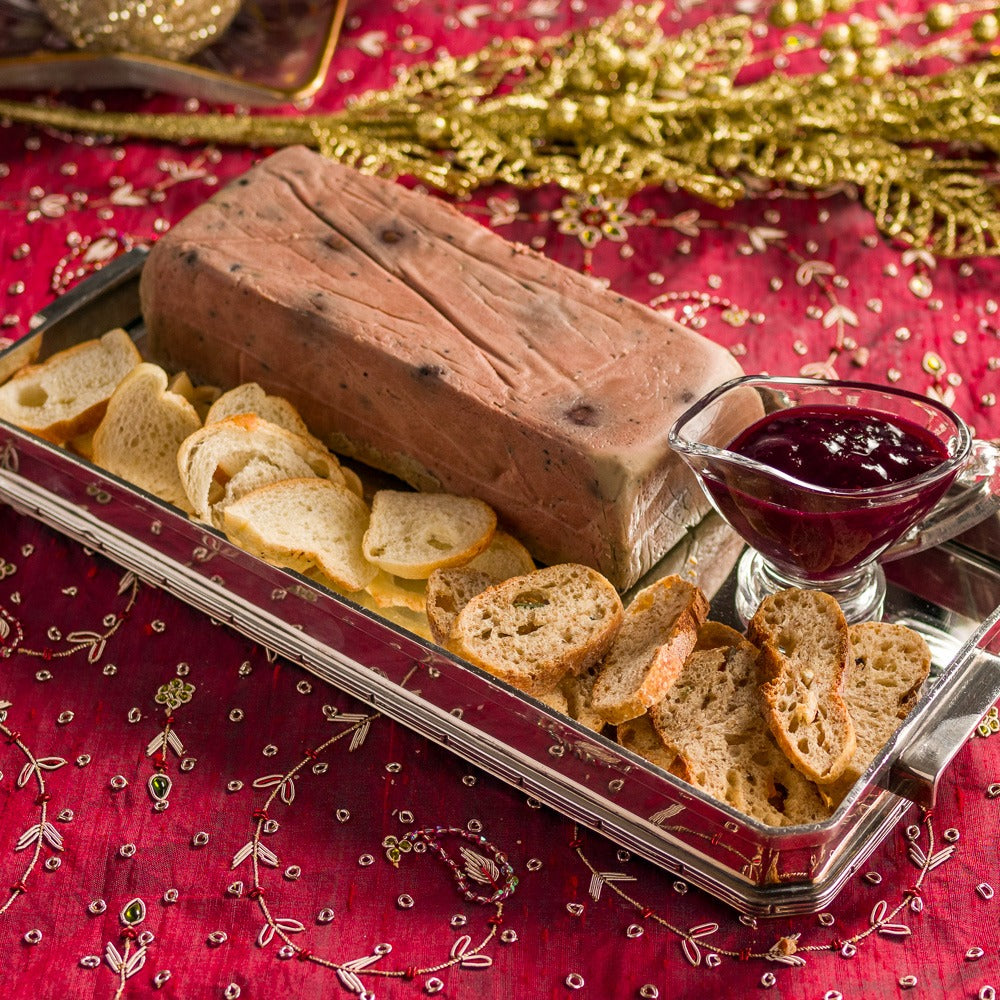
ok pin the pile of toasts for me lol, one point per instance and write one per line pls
(777, 723)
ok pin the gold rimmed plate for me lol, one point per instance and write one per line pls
(274, 52)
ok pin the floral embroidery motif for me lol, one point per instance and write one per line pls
(126, 963)
(989, 725)
(482, 866)
(593, 218)
(787, 950)
(92, 641)
(42, 833)
(174, 693)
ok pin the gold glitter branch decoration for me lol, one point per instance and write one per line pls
(622, 106)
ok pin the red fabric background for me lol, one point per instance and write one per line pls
(67, 205)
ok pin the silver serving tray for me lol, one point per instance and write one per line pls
(759, 870)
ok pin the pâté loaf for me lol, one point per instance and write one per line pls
(413, 338)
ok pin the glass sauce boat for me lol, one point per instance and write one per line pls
(820, 478)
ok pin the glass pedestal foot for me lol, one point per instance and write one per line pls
(861, 595)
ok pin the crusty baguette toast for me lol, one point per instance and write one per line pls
(448, 591)
(66, 395)
(891, 663)
(578, 690)
(658, 631)
(709, 721)
(639, 736)
(805, 656)
(532, 630)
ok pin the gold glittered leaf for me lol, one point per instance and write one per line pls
(621, 105)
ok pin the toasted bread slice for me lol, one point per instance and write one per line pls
(412, 621)
(710, 720)
(715, 635)
(532, 630)
(413, 534)
(218, 452)
(805, 657)
(554, 699)
(579, 692)
(639, 736)
(448, 591)
(660, 628)
(143, 427)
(66, 395)
(303, 523)
(891, 663)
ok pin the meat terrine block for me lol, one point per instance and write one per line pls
(413, 338)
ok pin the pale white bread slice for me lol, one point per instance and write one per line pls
(413, 534)
(891, 663)
(412, 621)
(67, 394)
(351, 480)
(302, 523)
(660, 628)
(390, 591)
(532, 630)
(83, 444)
(143, 427)
(805, 657)
(710, 720)
(201, 397)
(503, 558)
(218, 452)
(448, 591)
(251, 398)
(259, 471)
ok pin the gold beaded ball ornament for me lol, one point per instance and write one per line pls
(170, 29)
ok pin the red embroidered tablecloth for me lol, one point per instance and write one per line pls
(144, 745)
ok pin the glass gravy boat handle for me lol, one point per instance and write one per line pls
(974, 497)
